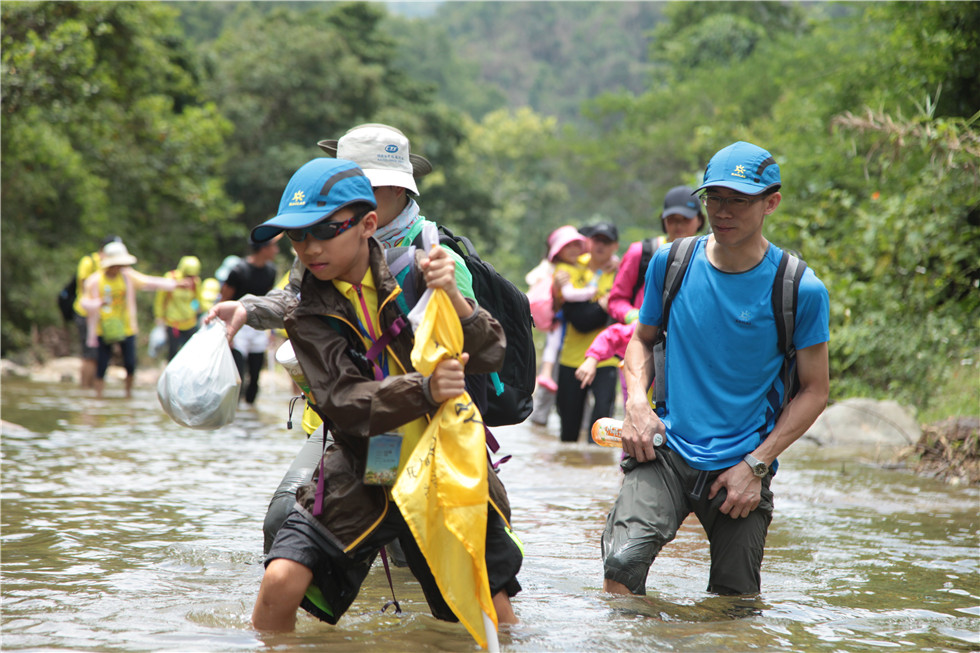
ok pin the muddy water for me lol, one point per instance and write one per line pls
(124, 531)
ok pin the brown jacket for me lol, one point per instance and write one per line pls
(354, 406)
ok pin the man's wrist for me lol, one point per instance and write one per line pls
(758, 467)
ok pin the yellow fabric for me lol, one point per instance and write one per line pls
(86, 266)
(576, 343)
(411, 432)
(210, 291)
(442, 492)
(113, 294)
(179, 308)
(311, 420)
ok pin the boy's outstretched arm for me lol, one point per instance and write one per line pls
(440, 272)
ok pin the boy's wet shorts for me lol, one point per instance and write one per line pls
(337, 576)
(656, 498)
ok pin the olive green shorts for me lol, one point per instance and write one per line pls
(654, 501)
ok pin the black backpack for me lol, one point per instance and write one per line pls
(785, 291)
(509, 392)
(646, 255)
(66, 299)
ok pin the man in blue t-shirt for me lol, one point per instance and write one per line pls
(722, 363)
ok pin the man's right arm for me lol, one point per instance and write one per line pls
(641, 421)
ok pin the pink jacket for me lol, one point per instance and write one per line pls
(611, 341)
(621, 298)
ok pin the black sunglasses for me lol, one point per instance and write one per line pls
(324, 230)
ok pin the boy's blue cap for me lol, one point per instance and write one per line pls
(743, 167)
(316, 191)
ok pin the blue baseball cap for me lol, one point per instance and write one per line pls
(316, 191)
(743, 167)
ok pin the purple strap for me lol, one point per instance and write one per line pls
(382, 342)
(491, 441)
(393, 601)
(318, 502)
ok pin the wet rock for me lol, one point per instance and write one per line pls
(863, 426)
(11, 370)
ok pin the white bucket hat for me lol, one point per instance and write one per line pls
(116, 254)
(383, 153)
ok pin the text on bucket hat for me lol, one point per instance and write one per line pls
(316, 191)
(743, 167)
(383, 153)
(563, 236)
(115, 253)
(680, 200)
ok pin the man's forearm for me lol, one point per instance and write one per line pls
(638, 368)
(798, 416)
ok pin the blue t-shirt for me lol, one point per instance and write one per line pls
(722, 357)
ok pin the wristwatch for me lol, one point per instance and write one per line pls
(759, 468)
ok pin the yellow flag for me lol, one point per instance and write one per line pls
(442, 491)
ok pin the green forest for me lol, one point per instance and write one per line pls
(177, 125)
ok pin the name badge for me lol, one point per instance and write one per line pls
(384, 453)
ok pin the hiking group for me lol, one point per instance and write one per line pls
(735, 304)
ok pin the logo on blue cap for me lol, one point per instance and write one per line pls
(753, 169)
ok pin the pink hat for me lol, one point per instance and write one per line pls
(563, 236)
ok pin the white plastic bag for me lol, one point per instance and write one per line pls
(158, 340)
(200, 385)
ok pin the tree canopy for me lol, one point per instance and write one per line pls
(176, 125)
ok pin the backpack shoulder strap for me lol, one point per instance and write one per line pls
(646, 255)
(678, 260)
(785, 292)
(460, 245)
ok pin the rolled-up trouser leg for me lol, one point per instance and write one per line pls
(650, 508)
(300, 472)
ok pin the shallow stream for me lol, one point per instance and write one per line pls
(123, 531)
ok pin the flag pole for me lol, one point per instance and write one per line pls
(493, 646)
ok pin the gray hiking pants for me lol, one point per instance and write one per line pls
(654, 501)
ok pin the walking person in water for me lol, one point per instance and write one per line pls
(722, 421)
(340, 521)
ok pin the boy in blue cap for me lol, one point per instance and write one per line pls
(722, 373)
(363, 385)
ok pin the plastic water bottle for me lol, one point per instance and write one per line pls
(286, 358)
(608, 432)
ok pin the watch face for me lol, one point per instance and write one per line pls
(760, 470)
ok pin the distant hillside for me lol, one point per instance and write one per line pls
(547, 55)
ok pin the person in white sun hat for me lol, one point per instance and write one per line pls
(110, 303)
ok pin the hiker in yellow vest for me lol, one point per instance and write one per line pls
(179, 309)
(87, 265)
(110, 301)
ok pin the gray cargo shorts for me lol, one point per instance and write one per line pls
(654, 501)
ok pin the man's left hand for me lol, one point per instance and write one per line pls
(744, 491)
